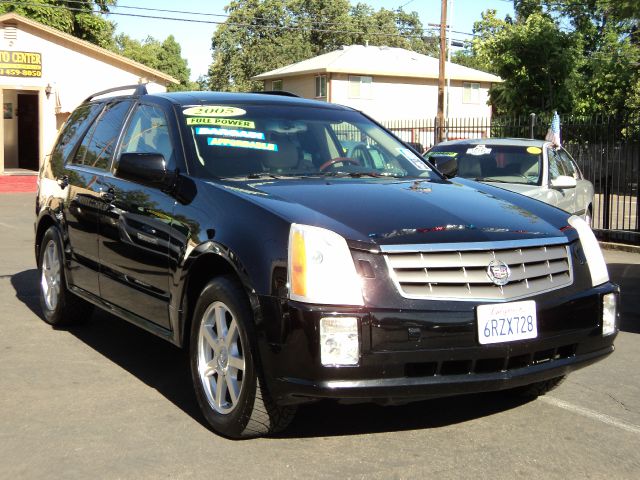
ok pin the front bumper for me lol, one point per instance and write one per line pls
(408, 355)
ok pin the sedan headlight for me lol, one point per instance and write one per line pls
(592, 252)
(321, 269)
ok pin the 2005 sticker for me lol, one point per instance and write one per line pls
(214, 111)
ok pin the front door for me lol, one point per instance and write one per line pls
(28, 134)
(136, 231)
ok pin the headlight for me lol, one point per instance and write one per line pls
(592, 252)
(609, 312)
(321, 269)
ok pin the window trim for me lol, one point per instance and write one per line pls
(273, 87)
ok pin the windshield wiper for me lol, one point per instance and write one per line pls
(488, 179)
(373, 174)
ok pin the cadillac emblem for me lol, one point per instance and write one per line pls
(498, 272)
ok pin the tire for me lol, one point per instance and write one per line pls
(225, 368)
(537, 389)
(59, 306)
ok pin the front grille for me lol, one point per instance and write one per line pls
(462, 274)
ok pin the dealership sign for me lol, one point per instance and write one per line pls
(20, 64)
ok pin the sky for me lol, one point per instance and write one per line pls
(194, 36)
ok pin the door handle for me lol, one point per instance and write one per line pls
(108, 196)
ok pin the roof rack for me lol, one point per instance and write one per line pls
(139, 90)
(282, 93)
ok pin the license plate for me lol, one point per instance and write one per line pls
(507, 322)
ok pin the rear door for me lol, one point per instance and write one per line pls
(81, 176)
(135, 234)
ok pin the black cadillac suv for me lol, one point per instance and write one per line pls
(299, 251)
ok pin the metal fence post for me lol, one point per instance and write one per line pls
(532, 124)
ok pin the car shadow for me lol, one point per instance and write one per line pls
(627, 275)
(165, 368)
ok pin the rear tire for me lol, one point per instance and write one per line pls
(59, 306)
(225, 367)
(537, 389)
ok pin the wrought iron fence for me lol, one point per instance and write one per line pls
(607, 149)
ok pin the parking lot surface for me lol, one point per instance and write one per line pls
(106, 400)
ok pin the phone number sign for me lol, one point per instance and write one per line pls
(20, 64)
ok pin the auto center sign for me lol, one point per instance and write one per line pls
(20, 64)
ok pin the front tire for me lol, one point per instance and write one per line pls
(59, 306)
(225, 369)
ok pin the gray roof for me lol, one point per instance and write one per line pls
(521, 142)
(385, 61)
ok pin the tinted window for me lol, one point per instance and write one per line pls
(148, 132)
(556, 168)
(74, 127)
(499, 163)
(99, 143)
(234, 141)
(569, 166)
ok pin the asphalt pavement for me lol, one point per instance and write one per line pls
(107, 400)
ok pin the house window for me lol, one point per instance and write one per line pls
(470, 92)
(360, 86)
(321, 86)
(276, 85)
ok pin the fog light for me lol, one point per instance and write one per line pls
(609, 311)
(339, 343)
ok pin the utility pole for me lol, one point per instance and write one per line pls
(443, 57)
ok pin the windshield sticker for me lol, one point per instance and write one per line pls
(221, 122)
(229, 142)
(225, 132)
(413, 158)
(443, 154)
(479, 150)
(534, 150)
(214, 111)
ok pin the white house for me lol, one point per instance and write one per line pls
(44, 75)
(384, 82)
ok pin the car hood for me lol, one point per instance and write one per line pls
(386, 212)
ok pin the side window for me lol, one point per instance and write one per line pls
(99, 143)
(555, 166)
(73, 128)
(148, 132)
(568, 165)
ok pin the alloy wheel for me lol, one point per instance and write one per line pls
(50, 277)
(221, 363)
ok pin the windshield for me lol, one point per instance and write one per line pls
(494, 163)
(250, 141)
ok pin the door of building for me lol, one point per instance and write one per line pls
(28, 131)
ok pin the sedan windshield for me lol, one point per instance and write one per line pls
(252, 141)
(494, 163)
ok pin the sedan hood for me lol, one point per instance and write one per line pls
(387, 212)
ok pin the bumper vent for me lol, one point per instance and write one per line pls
(463, 274)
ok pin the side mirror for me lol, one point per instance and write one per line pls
(447, 165)
(147, 168)
(563, 181)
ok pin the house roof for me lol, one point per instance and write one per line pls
(88, 48)
(371, 60)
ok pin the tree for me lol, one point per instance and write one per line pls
(76, 18)
(165, 56)
(262, 35)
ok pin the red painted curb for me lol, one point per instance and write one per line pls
(18, 183)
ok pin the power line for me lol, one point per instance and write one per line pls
(215, 22)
